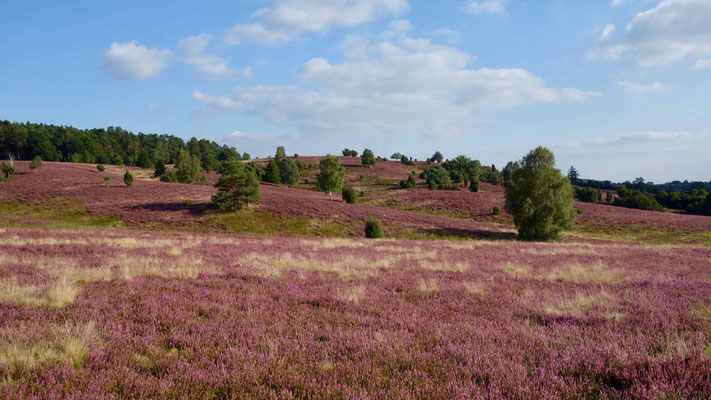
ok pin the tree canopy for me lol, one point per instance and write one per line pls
(330, 177)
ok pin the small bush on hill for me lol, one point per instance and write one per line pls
(496, 210)
(409, 183)
(474, 186)
(101, 168)
(107, 178)
(36, 163)
(373, 229)
(350, 153)
(128, 179)
(367, 159)
(7, 170)
(349, 195)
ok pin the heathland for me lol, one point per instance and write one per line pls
(147, 291)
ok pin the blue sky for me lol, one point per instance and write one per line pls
(619, 88)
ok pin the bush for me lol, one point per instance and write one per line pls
(496, 210)
(367, 159)
(7, 170)
(128, 179)
(409, 183)
(160, 169)
(272, 174)
(350, 153)
(373, 230)
(474, 186)
(587, 195)
(579, 211)
(349, 195)
(36, 163)
(101, 168)
(107, 178)
(540, 198)
(307, 181)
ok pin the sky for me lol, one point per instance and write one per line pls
(618, 88)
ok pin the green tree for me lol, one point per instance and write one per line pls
(128, 179)
(7, 170)
(349, 195)
(573, 175)
(540, 198)
(246, 156)
(367, 159)
(280, 153)
(474, 185)
(437, 157)
(187, 168)
(36, 163)
(330, 177)
(273, 174)
(288, 171)
(160, 169)
(373, 230)
(237, 187)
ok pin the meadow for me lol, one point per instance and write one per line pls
(145, 292)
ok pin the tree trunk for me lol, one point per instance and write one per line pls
(330, 196)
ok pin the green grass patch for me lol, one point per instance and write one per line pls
(54, 213)
(255, 222)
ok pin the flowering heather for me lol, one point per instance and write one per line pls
(164, 315)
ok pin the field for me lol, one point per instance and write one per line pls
(146, 292)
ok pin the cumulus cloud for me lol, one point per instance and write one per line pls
(479, 7)
(128, 61)
(192, 50)
(662, 35)
(287, 20)
(639, 88)
(396, 84)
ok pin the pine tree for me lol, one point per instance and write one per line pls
(273, 175)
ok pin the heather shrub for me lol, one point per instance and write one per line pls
(373, 230)
(101, 168)
(128, 179)
(496, 211)
(540, 198)
(349, 195)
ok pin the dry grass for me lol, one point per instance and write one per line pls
(353, 294)
(334, 243)
(68, 343)
(427, 285)
(474, 288)
(57, 294)
(578, 273)
(515, 270)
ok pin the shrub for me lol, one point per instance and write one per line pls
(474, 185)
(579, 211)
(350, 153)
(188, 168)
(409, 183)
(349, 195)
(367, 159)
(101, 168)
(160, 169)
(330, 177)
(128, 179)
(7, 170)
(496, 210)
(107, 178)
(540, 198)
(373, 230)
(307, 181)
(587, 195)
(272, 174)
(36, 163)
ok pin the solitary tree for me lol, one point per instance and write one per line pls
(128, 179)
(539, 198)
(437, 157)
(288, 171)
(367, 159)
(7, 169)
(573, 175)
(330, 177)
(373, 230)
(36, 163)
(237, 187)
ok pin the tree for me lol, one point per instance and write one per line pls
(128, 179)
(396, 156)
(509, 169)
(7, 170)
(246, 156)
(280, 153)
(160, 169)
(330, 177)
(437, 157)
(349, 153)
(373, 230)
(367, 159)
(273, 175)
(288, 171)
(474, 185)
(463, 169)
(349, 195)
(187, 168)
(237, 187)
(36, 163)
(573, 175)
(540, 198)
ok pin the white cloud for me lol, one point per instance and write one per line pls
(478, 7)
(286, 20)
(632, 139)
(192, 50)
(639, 88)
(703, 63)
(451, 36)
(128, 61)
(618, 3)
(396, 84)
(662, 35)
